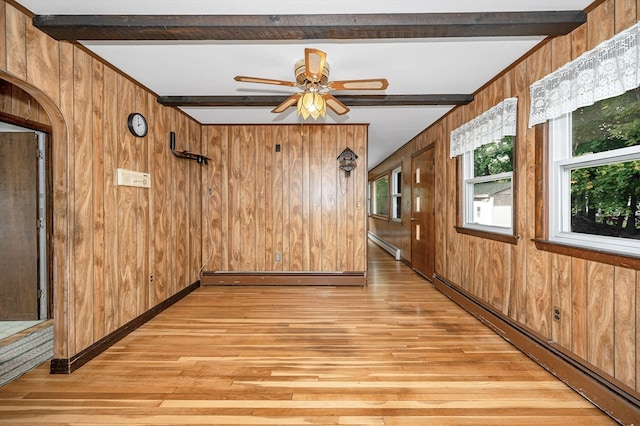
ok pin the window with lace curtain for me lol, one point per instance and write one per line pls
(592, 107)
(485, 145)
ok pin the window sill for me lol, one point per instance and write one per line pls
(615, 259)
(504, 238)
(379, 217)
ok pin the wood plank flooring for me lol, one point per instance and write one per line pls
(394, 353)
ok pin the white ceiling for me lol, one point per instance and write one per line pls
(412, 66)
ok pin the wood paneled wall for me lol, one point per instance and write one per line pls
(118, 251)
(600, 303)
(296, 203)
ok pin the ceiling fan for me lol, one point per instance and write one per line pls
(312, 76)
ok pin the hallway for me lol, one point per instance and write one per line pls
(395, 352)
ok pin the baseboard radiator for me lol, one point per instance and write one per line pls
(603, 392)
(385, 245)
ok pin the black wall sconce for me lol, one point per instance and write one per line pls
(347, 159)
(199, 158)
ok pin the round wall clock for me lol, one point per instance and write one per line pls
(137, 124)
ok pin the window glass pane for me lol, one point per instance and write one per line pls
(397, 211)
(492, 203)
(398, 182)
(606, 125)
(605, 200)
(493, 158)
(382, 196)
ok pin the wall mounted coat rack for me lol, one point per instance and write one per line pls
(185, 154)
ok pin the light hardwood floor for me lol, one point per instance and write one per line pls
(395, 352)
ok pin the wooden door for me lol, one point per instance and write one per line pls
(18, 227)
(423, 212)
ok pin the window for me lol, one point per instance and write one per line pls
(594, 175)
(488, 187)
(486, 145)
(396, 194)
(380, 196)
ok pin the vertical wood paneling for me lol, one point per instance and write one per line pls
(316, 196)
(83, 200)
(269, 164)
(518, 294)
(234, 202)
(110, 199)
(295, 199)
(3, 39)
(442, 164)
(625, 14)
(277, 206)
(625, 307)
(180, 214)
(142, 213)
(600, 326)
(97, 155)
(64, 331)
(358, 200)
(227, 132)
(295, 203)
(248, 149)
(159, 154)
(260, 200)
(561, 298)
(579, 307)
(42, 60)
(307, 202)
(126, 208)
(16, 31)
(285, 213)
(600, 24)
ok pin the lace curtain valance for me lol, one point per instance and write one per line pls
(608, 70)
(491, 126)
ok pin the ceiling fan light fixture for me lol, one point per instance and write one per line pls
(312, 103)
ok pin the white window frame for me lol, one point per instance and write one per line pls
(396, 193)
(560, 166)
(469, 181)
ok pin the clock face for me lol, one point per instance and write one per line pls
(137, 124)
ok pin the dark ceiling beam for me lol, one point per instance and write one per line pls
(349, 100)
(308, 27)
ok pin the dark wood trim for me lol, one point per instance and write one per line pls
(505, 238)
(602, 391)
(308, 27)
(27, 124)
(541, 172)
(615, 259)
(285, 278)
(349, 100)
(69, 365)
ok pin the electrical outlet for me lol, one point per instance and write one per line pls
(278, 257)
(557, 316)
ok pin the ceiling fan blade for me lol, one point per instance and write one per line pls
(368, 84)
(290, 101)
(264, 81)
(314, 60)
(333, 103)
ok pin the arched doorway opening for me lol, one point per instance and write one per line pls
(52, 123)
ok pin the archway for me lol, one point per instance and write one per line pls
(60, 211)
